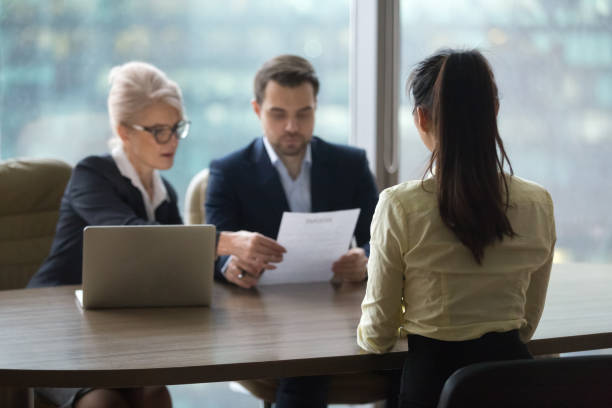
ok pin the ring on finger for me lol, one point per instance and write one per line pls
(241, 275)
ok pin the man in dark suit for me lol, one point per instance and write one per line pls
(289, 169)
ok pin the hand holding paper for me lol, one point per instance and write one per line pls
(314, 241)
(351, 267)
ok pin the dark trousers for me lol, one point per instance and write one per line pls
(311, 392)
(302, 392)
(430, 362)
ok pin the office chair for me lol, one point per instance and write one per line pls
(31, 191)
(584, 381)
(344, 389)
(195, 213)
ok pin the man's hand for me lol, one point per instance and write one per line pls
(235, 274)
(352, 266)
(255, 251)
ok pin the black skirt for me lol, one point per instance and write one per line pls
(430, 362)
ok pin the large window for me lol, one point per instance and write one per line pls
(553, 64)
(55, 57)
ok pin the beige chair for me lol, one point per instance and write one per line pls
(31, 191)
(195, 213)
(344, 389)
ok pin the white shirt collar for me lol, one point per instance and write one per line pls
(297, 191)
(160, 194)
(275, 159)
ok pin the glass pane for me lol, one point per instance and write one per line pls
(553, 64)
(55, 57)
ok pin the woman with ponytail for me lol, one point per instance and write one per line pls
(460, 259)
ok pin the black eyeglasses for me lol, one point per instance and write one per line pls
(163, 134)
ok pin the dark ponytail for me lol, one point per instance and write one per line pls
(458, 93)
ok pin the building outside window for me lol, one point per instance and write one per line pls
(55, 57)
(553, 66)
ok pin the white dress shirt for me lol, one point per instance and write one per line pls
(160, 194)
(297, 191)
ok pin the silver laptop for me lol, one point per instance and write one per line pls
(141, 266)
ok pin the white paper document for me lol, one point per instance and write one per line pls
(314, 241)
(79, 295)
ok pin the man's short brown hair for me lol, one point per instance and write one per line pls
(287, 70)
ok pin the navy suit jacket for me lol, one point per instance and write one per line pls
(245, 192)
(96, 194)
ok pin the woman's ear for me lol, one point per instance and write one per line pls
(123, 132)
(422, 120)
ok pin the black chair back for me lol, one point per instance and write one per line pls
(548, 382)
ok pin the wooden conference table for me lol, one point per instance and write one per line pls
(275, 331)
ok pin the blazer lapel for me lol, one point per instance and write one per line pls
(321, 188)
(132, 193)
(268, 180)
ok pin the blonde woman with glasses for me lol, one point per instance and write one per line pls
(125, 188)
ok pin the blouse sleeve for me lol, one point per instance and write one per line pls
(538, 285)
(381, 307)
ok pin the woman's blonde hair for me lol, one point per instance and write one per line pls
(133, 87)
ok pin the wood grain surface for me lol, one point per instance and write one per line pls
(274, 331)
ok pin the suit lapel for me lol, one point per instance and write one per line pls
(321, 188)
(267, 179)
(132, 193)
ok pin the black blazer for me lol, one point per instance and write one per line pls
(96, 194)
(245, 192)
